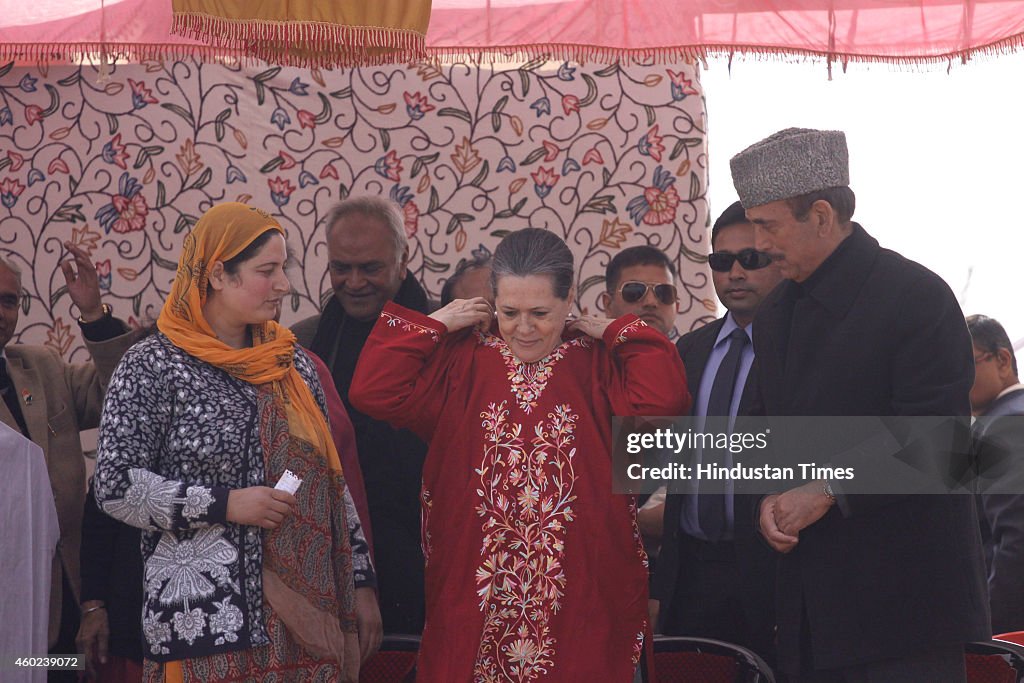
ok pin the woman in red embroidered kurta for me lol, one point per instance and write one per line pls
(534, 568)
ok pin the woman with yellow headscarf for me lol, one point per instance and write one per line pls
(242, 581)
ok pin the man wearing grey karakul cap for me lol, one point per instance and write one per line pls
(871, 587)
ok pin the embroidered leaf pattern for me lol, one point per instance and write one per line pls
(526, 497)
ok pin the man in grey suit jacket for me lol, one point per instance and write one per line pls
(997, 399)
(50, 401)
(720, 587)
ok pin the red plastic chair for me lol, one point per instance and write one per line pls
(394, 663)
(680, 659)
(1016, 637)
(994, 662)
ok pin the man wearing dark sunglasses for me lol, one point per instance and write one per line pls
(714, 577)
(870, 587)
(641, 280)
(742, 275)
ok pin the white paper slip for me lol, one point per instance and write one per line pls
(288, 482)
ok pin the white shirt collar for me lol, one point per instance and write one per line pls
(1004, 392)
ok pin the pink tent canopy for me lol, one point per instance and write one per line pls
(898, 31)
(860, 30)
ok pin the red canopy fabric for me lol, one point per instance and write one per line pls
(895, 31)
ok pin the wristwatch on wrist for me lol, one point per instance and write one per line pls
(829, 493)
(107, 311)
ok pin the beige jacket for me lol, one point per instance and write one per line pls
(58, 400)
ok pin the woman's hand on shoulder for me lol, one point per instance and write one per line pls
(591, 325)
(259, 506)
(463, 313)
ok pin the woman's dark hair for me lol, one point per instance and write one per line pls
(532, 251)
(231, 265)
(989, 336)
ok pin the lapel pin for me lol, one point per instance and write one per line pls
(26, 396)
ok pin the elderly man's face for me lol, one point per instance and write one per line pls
(366, 270)
(9, 308)
(796, 246)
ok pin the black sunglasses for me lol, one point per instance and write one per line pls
(750, 259)
(635, 291)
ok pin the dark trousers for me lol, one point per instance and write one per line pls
(65, 645)
(943, 665)
(709, 599)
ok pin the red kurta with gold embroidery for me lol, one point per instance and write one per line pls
(534, 568)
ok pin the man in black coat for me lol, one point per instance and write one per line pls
(720, 587)
(368, 255)
(997, 398)
(871, 588)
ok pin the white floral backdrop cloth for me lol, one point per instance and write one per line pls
(123, 163)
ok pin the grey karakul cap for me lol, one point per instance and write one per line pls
(790, 163)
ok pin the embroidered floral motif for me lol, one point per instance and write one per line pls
(409, 326)
(529, 379)
(189, 556)
(157, 632)
(197, 502)
(185, 565)
(149, 500)
(638, 645)
(624, 332)
(526, 493)
(190, 624)
(638, 539)
(227, 620)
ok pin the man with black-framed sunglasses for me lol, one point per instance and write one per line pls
(714, 576)
(743, 275)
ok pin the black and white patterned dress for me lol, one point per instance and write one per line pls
(176, 436)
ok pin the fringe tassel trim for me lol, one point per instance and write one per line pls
(303, 43)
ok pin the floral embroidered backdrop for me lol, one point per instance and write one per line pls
(607, 156)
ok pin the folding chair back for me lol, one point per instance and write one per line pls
(394, 663)
(681, 659)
